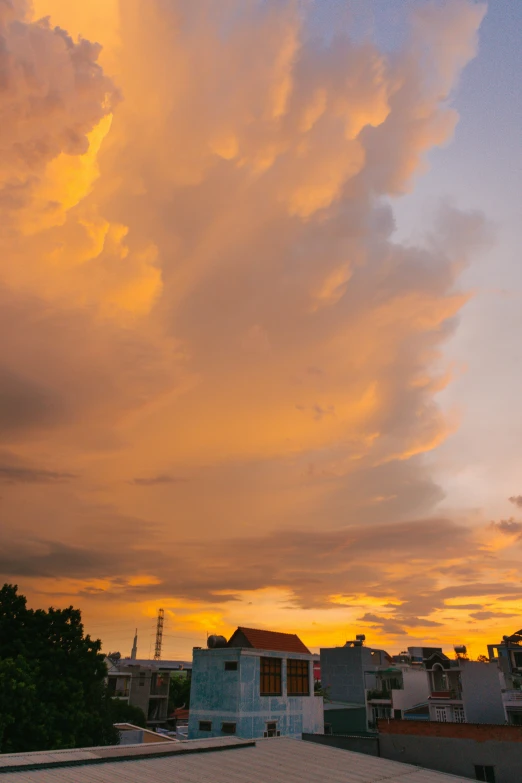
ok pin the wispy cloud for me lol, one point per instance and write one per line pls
(509, 526)
(10, 474)
(153, 481)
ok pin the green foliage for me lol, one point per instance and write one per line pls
(52, 680)
(320, 691)
(179, 692)
(123, 712)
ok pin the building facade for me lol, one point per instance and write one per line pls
(359, 675)
(420, 684)
(507, 654)
(463, 691)
(144, 684)
(254, 691)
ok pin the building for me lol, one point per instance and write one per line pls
(342, 718)
(258, 684)
(219, 760)
(144, 684)
(477, 751)
(420, 684)
(507, 654)
(366, 685)
(463, 691)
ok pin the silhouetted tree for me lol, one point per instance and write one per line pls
(123, 712)
(52, 679)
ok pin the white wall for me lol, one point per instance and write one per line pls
(416, 689)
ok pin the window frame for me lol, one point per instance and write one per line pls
(231, 666)
(297, 677)
(271, 730)
(228, 723)
(487, 777)
(270, 673)
(459, 716)
(205, 723)
(441, 714)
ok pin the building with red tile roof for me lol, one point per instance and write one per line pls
(258, 684)
(267, 640)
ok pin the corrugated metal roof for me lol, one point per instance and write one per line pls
(276, 760)
(271, 640)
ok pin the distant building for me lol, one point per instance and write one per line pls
(365, 684)
(463, 691)
(144, 684)
(258, 684)
(420, 684)
(507, 654)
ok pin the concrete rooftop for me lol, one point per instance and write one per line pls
(222, 760)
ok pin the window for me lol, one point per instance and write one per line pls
(205, 725)
(271, 730)
(458, 713)
(142, 678)
(297, 673)
(517, 656)
(485, 773)
(270, 677)
(440, 714)
(228, 728)
(397, 714)
(231, 666)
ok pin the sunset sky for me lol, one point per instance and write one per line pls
(260, 299)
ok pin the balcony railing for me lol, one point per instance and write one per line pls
(453, 693)
(376, 694)
(512, 695)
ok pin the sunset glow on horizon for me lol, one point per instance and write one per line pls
(260, 297)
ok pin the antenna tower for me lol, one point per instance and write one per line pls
(159, 635)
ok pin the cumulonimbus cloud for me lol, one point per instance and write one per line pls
(201, 273)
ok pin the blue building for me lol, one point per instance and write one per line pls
(258, 684)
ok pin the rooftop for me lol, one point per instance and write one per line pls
(276, 760)
(145, 662)
(268, 640)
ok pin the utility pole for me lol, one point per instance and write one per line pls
(159, 634)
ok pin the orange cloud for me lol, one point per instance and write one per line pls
(219, 348)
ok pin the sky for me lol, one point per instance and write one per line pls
(260, 297)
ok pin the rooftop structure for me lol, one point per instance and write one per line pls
(219, 760)
(267, 640)
(254, 691)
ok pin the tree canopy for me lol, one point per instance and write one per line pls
(179, 692)
(123, 712)
(52, 679)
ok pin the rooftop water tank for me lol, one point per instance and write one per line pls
(213, 642)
